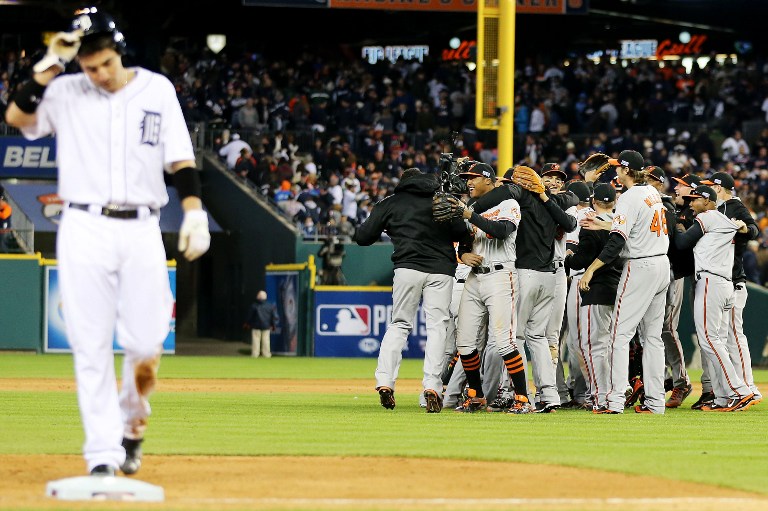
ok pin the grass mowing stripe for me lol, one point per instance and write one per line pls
(683, 444)
(15, 365)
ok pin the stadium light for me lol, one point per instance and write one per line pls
(216, 42)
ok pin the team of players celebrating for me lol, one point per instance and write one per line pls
(598, 267)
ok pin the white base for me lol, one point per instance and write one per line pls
(100, 488)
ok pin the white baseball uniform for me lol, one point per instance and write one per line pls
(577, 380)
(491, 287)
(640, 218)
(112, 148)
(555, 323)
(713, 300)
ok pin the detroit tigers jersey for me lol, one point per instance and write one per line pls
(714, 251)
(640, 217)
(496, 250)
(142, 127)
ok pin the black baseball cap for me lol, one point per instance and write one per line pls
(723, 179)
(479, 169)
(629, 158)
(656, 173)
(703, 191)
(553, 168)
(580, 189)
(692, 180)
(604, 192)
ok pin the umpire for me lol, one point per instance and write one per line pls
(425, 263)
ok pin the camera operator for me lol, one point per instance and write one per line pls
(425, 263)
(332, 254)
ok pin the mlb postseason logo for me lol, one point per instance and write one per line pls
(354, 320)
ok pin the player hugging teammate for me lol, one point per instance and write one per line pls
(524, 236)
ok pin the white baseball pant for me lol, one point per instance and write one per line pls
(595, 340)
(738, 346)
(537, 291)
(673, 350)
(408, 288)
(640, 302)
(114, 279)
(713, 300)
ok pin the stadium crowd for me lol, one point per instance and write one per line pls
(326, 139)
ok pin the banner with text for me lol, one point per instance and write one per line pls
(22, 158)
(351, 323)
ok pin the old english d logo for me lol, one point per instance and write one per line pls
(150, 128)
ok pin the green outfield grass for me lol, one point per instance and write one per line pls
(728, 449)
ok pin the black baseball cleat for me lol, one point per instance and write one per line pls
(132, 462)
(706, 398)
(103, 471)
(546, 407)
(387, 397)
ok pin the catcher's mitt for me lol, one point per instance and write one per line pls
(527, 178)
(597, 163)
(445, 207)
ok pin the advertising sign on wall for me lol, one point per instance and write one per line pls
(352, 323)
(282, 289)
(24, 158)
(54, 333)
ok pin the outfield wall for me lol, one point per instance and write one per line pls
(367, 309)
(21, 302)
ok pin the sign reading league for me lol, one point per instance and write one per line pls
(638, 48)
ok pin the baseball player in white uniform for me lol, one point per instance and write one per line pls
(490, 288)
(117, 129)
(639, 234)
(577, 377)
(712, 239)
(733, 208)
(553, 178)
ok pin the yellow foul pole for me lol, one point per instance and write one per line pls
(506, 84)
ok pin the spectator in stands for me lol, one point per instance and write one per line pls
(192, 112)
(6, 235)
(245, 167)
(248, 116)
(284, 192)
(349, 199)
(231, 150)
(336, 191)
(734, 145)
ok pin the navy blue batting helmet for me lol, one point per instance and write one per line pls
(94, 21)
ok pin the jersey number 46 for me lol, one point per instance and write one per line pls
(659, 223)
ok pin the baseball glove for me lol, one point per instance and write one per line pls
(445, 207)
(527, 178)
(597, 163)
